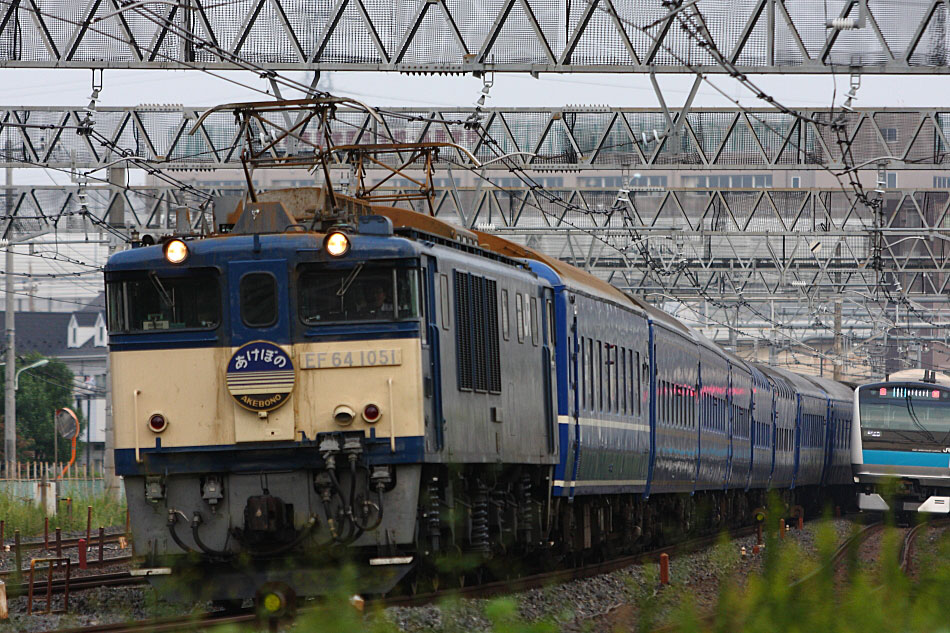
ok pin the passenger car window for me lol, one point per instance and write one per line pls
(258, 299)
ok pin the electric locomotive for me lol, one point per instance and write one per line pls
(281, 394)
(900, 449)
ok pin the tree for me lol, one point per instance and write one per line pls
(42, 391)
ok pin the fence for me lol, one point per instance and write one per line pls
(36, 481)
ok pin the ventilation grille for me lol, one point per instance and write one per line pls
(476, 316)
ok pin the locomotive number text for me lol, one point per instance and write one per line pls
(354, 358)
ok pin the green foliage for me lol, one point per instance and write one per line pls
(42, 391)
(18, 514)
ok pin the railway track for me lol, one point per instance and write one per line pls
(65, 543)
(910, 537)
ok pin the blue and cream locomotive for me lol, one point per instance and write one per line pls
(378, 385)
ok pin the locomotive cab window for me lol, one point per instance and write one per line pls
(258, 300)
(366, 292)
(146, 301)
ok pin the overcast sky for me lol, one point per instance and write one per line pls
(24, 87)
(72, 87)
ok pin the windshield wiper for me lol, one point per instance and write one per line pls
(162, 293)
(349, 281)
(913, 417)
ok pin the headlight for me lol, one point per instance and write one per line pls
(176, 251)
(336, 243)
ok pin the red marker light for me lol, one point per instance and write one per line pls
(883, 391)
(935, 393)
(157, 423)
(371, 413)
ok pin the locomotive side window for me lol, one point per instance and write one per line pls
(363, 293)
(534, 321)
(623, 379)
(552, 336)
(146, 301)
(444, 299)
(519, 315)
(600, 375)
(504, 314)
(258, 299)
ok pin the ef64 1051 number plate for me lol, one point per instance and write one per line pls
(351, 358)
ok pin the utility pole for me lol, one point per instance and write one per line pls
(9, 400)
(117, 177)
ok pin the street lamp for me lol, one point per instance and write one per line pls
(16, 377)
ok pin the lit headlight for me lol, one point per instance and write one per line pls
(336, 243)
(176, 251)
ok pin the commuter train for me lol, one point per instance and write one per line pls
(321, 383)
(900, 447)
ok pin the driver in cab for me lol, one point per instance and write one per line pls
(380, 303)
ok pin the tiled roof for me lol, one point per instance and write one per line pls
(43, 332)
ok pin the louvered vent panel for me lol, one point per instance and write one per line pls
(477, 348)
(463, 332)
(492, 359)
(478, 345)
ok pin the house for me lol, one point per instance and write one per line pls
(78, 339)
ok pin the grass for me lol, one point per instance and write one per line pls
(24, 515)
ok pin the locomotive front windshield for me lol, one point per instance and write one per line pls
(366, 292)
(148, 301)
(920, 409)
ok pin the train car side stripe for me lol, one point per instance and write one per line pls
(907, 458)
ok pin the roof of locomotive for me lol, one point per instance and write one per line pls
(216, 251)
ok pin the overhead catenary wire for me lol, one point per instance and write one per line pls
(535, 187)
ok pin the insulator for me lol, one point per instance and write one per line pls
(843, 24)
(479, 537)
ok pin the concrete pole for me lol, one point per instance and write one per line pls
(9, 400)
(117, 177)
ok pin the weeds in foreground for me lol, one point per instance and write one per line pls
(862, 599)
(24, 515)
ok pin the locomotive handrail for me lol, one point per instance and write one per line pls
(135, 418)
(392, 415)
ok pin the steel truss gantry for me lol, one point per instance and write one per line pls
(570, 138)
(458, 36)
(773, 266)
(725, 243)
